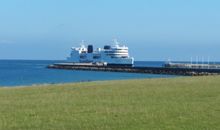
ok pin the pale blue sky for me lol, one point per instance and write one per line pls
(153, 29)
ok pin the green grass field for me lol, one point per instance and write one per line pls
(189, 103)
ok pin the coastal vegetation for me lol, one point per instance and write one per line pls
(182, 103)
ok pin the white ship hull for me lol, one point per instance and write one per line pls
(112, 55)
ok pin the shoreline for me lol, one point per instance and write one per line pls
(91, 81)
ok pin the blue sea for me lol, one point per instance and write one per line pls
(33, 72)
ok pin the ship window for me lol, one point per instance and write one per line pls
(82, 57)
(96, 57)
(114, 57)
(124, 57)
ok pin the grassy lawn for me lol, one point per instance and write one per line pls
(189, 103)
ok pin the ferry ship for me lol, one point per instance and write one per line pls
(115, 55)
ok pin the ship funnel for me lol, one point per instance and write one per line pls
(90, 48)
(107, 47)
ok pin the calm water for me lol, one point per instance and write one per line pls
(27, 72)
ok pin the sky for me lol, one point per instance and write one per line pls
(152, 29)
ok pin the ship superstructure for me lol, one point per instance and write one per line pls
(112, 55)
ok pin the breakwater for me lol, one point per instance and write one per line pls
(190, 65)
(148, 70)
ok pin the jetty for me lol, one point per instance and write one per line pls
(167, 70)
(190, 65)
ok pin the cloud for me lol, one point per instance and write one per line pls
(6, 42)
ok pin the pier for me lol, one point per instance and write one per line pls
(190, 65)
(147, 70)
